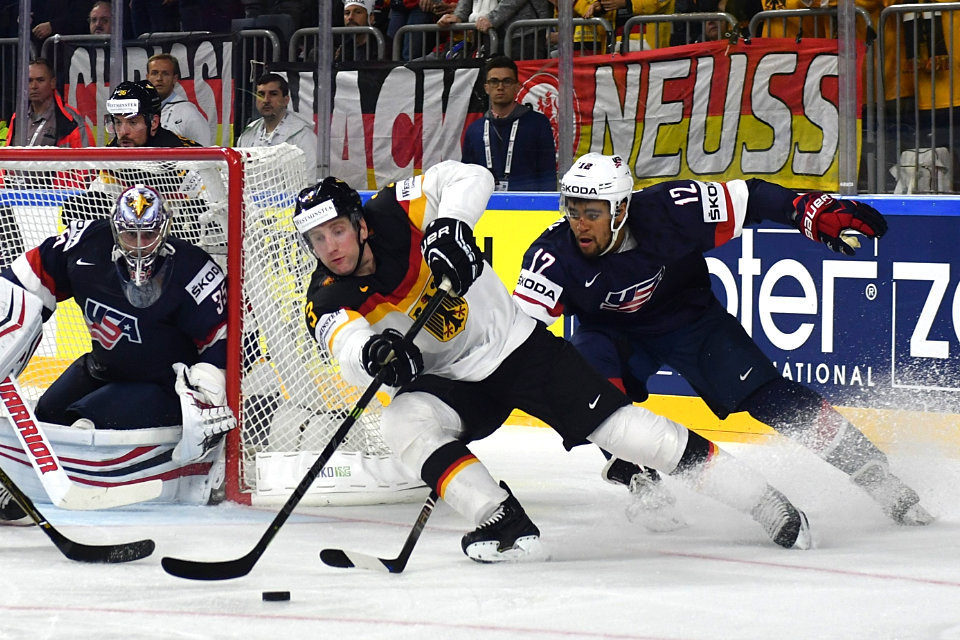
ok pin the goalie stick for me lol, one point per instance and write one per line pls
(342, 559)
(228, 569)
(63, 492)
(123, 552)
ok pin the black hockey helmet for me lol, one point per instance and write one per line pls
(131, 99)
(324, 201)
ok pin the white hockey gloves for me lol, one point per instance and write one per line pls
(21, 329)
(203, 400)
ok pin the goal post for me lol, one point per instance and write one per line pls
(237, 204)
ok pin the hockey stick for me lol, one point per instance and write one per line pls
(124, 552)
(346, 559)
(227, 569)
(62, 490)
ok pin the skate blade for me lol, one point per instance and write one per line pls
(525, 549)
(804, 539)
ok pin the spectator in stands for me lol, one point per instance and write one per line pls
(100, 18)
(588, 39)
(278, 125)
(528, 44)
(652, 37)
(154, 16)
(355, 47)
(65, 17)
(512, 140)
(412, 12)
(177, 113)
(50, 121)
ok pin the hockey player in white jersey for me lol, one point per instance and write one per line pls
(478, 358)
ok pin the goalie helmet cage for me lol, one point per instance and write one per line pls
(237, 204)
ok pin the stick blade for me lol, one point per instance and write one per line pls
(342, 559)
(109, 553)
(196, 570)
(82, 498)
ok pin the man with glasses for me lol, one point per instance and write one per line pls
(514, 142)
(100, 18)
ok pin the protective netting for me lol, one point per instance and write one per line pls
(292, 398)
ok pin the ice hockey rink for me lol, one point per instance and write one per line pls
(608, 578)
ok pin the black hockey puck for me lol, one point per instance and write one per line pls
(276, 596)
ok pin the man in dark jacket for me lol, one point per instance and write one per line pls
(512, 140)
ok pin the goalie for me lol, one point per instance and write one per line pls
(155, 308)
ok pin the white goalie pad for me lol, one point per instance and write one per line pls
(113, 458)
(21, 327)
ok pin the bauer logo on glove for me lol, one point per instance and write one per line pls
(451, 251)
(826, 219)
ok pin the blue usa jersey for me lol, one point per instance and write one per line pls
(187, 323)
(658, 278)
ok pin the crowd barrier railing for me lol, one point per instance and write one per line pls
(303, 43)
(592, 36)
(919, 92)
(433, 42)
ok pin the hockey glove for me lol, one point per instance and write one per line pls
(206, 418)
(387, 354)
(450, 250)
(825, 219)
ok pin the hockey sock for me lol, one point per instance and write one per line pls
(803, 415)
(462, 481)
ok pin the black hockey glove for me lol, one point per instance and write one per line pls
(450, 250)
(823, 218)
(404, 366)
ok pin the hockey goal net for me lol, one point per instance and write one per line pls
(237, 204)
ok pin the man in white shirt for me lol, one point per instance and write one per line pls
(177, 114)
(278, 125)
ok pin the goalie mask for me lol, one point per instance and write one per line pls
(325, 201)
(140, 223)
(595, 176)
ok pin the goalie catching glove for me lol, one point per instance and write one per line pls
(396, 361)
(825, 219)
(203, 400)
(451, 251)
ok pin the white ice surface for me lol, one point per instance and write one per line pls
(606, 578)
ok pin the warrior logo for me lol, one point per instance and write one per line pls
(448, 321)
(107, 325)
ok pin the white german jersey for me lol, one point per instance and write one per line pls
(469, 336)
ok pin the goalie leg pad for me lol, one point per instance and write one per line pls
(21, 327)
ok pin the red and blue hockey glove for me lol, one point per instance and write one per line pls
(823, 218)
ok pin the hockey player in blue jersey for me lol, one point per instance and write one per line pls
(630, 267)
(155, 307)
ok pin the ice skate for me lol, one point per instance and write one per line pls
(652, 504)
(898, 501)
(506, 536)
(784, 523)
(10, 511)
